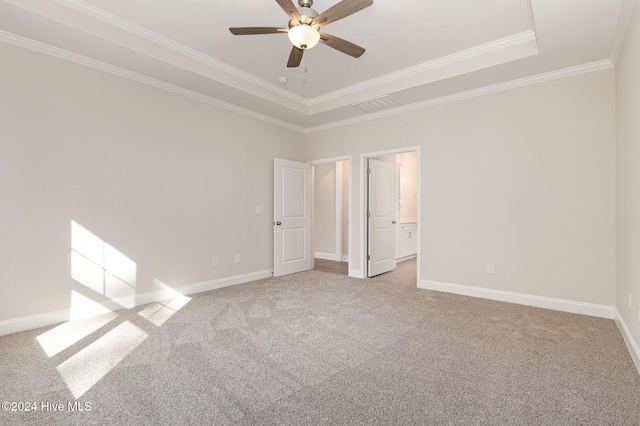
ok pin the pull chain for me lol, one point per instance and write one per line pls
(304, 77)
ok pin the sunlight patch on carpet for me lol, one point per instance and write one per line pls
(86, 368)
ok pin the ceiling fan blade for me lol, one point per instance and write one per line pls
(257, 30)
(343, 46)
(341, 10)
(290, 9)
(295, 57)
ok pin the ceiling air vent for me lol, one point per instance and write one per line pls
(378, 104)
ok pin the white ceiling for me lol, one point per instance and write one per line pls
(418, 52)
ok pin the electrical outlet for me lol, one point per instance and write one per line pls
(237, 258)
(259, 210)
(490, 268)
(214, 261)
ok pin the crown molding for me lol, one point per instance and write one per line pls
(621, 30)
(130, 75)
(527, 81)
(93, 20)
(444, 61)
(111, 69)
(532, 19)
(104, 16)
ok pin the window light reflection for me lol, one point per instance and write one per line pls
(84, 369)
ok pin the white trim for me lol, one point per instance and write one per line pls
(471, 53)
(324, 256)
(632, 345)
(121, 72)
(30, 322)
(130, 75)
(129, 35)
(583, 308)
(338, 212)
(355, 273)
(621, 30)
(500, 87)
(345, 258)
(133, 32)
(363, 214)
(45, 319)
(140, 31)
(409, 257)
(532, 19)
(224, 282)
(331, 160)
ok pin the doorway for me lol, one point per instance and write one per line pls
(400, 238)
(331, 209)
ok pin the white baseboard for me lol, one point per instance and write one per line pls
(632, 345)
(324, 256)
(356, 273)
(224, 282)
(16, 325)
(402, 259)
(45, 319)
(591, 309)
(329, 256)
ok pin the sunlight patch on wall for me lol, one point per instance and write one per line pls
(101, 267)
(87, 367)
(65, 335)
(87, 272)
(87, 244)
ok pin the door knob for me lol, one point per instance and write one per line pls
(393, 223)
(278, 223)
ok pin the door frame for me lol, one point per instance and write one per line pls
(364, 192)
(349, 159)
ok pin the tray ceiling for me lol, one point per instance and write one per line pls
(417, 53)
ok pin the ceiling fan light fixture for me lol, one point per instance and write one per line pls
(304, 36)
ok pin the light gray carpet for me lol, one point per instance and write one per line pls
(331, 266)
(319, 348)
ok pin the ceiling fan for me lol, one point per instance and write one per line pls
(304, 27)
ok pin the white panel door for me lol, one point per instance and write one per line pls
(291, 217)
(381, 218)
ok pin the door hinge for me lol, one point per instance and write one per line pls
(368, 257)
(368, 171)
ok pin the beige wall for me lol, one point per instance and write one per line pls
(324, 208)
(408, 186)
(628, 175)
(167, 181)
(523, 179)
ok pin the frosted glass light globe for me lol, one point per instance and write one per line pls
(303, 36)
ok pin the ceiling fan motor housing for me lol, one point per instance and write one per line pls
(307, 15)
